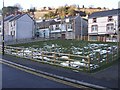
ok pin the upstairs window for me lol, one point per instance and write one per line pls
(57, 27)
(110, 27)
(51, 27)
(69, 26)
(94, 28)
(110, 18)
(11, 24)
(0, 30)
(14, 23)
(94, 20)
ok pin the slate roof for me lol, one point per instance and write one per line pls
(45, 23)
(104, 13)
(8, 17)
(16, 17)
(81, 13)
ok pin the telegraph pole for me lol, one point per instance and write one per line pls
(3, 30)
(81, 29)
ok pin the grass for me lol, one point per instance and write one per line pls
(64, 43)
(104, 66)
(67, 44)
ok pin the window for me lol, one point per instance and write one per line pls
(0, 22)
(110, 18)
(11, 33)
(11, 24)
(94, 20)
(14, 23)
(69, 26)
(0, 30)
(110, 27)
(94, 28)
(57, 26)
(51, 27)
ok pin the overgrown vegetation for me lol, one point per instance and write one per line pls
(64, 43)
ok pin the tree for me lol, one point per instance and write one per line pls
(71, 11)
(18, 5)
(32, 9)
(46, 16)
(51, 14)
(10, 10)
(62, 12)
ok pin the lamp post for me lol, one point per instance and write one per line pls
(3, 30)
(118, 32)
(81, 29)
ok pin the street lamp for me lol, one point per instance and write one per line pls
(81, 28)
(3, 30)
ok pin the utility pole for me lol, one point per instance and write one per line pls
(118, 34)
(81, 29)
(3, 30)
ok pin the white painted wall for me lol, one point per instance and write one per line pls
(102, 22)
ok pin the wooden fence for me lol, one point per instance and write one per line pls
(77, 62)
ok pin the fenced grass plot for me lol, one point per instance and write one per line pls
(85, 56)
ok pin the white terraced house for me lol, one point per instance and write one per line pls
(17, 27)
(103, 26)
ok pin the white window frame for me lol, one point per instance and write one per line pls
(94, 28)
(110, 27)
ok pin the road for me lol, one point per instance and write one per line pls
(84, 77)
(14, 78)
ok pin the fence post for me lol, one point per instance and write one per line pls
(54, 56)
(112, 54)
(88, 63)
(32, 52)
(42, 56)
(98, 57)
(69, 59)
(23, 51)
(107, 57)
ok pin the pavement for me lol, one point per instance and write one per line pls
(106, 78)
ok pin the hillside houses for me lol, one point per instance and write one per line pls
(100, 26)
(66, 28)
(69, 28)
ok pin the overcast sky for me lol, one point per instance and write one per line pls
(55, 3)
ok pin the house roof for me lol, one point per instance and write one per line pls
(18, 16)
(81, 13)
(104, 13)
(8, 17)
(45, 23)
